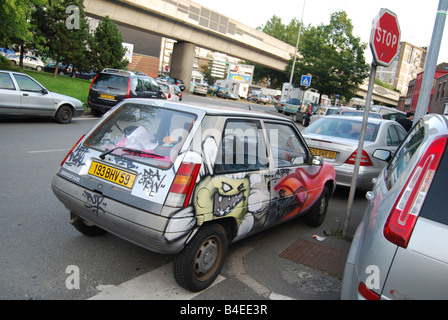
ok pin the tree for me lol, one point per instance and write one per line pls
(286, 33)
(15, 23)
(63, 39)
(333, 56)
(107, 46)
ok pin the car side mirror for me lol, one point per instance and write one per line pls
(44, 91)
(382, 154)
(317, 160)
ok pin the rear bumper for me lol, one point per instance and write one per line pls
(140, 227)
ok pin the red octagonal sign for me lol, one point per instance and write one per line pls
(385, 37)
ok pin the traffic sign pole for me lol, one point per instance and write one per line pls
(384, 42)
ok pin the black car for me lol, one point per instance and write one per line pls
(111, 86)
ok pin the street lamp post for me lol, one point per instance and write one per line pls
(295, 54)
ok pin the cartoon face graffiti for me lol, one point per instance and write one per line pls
(223, 196)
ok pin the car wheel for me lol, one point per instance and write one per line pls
(64, 114)
(38, 68)
(85, 227)
(200, 262)
(317, 214)
(294, 117)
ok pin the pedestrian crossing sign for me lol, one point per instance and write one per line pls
(306, 81)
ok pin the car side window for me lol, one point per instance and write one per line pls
(27, 84)
(6, 82)
(393, 139)
(243, 147)
(286, 145)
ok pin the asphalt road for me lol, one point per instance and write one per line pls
(41, 254)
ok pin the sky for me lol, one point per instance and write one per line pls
(415, 17)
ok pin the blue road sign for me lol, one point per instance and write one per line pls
(306, 81)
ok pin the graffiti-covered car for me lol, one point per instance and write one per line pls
(188, 180)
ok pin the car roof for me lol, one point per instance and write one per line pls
(218, 110)
(356, 118)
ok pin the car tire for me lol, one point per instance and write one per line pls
(317, 214)
(38, 68)
(198, 265)
(294, 117)
(64, 114)
(85, 227)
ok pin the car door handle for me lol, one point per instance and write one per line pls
(25, 94)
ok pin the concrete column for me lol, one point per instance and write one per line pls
(182, 62)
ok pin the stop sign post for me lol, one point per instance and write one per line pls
(384, 43)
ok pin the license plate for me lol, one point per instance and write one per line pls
(117, 176)
(107, 96)
(324, 153)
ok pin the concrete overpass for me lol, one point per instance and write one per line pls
(194, 25)
(380, 94)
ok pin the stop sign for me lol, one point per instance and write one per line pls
(385, 37)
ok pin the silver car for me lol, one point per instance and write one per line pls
(336, 138)
(21, 95)
(28, 61)
(323, 111)
(399, 249)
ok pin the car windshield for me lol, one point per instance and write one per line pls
(342, 128)
(145, 133)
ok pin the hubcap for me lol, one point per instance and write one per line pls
(206, 258)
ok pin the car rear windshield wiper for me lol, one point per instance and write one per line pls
(137, 152)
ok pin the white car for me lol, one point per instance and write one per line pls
(28, 61)
(169, 90)
(200, 89)
(21, 95)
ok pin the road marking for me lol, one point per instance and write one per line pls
(158, 284)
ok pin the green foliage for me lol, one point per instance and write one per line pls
(333, 56)
(107, 47)
(55, 36)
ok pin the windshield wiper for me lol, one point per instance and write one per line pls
(138, 152)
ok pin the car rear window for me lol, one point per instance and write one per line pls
(144, 133)
(111, 81)
(342, 128)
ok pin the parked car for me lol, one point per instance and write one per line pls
(63, 69)
(168, 89)
(360, 113)
(399, 249)
(189, 180)
(280, 105)
(111, 86)
(291, 106)
(388, 113)
(304, 113)
(222, 92)
(21, 95)
(232, 96)
(28, 61)
(200, 89)
(336, 138)
(260, 98)
(323, 111)
(175, 81)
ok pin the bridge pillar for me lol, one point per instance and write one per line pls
(182, 62)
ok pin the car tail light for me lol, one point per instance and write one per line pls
(63, 161)
(169, 95)
(403, 216)
(367, 293)
(91, 84)
(128, 95)
(183, 185)
(365, 159)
